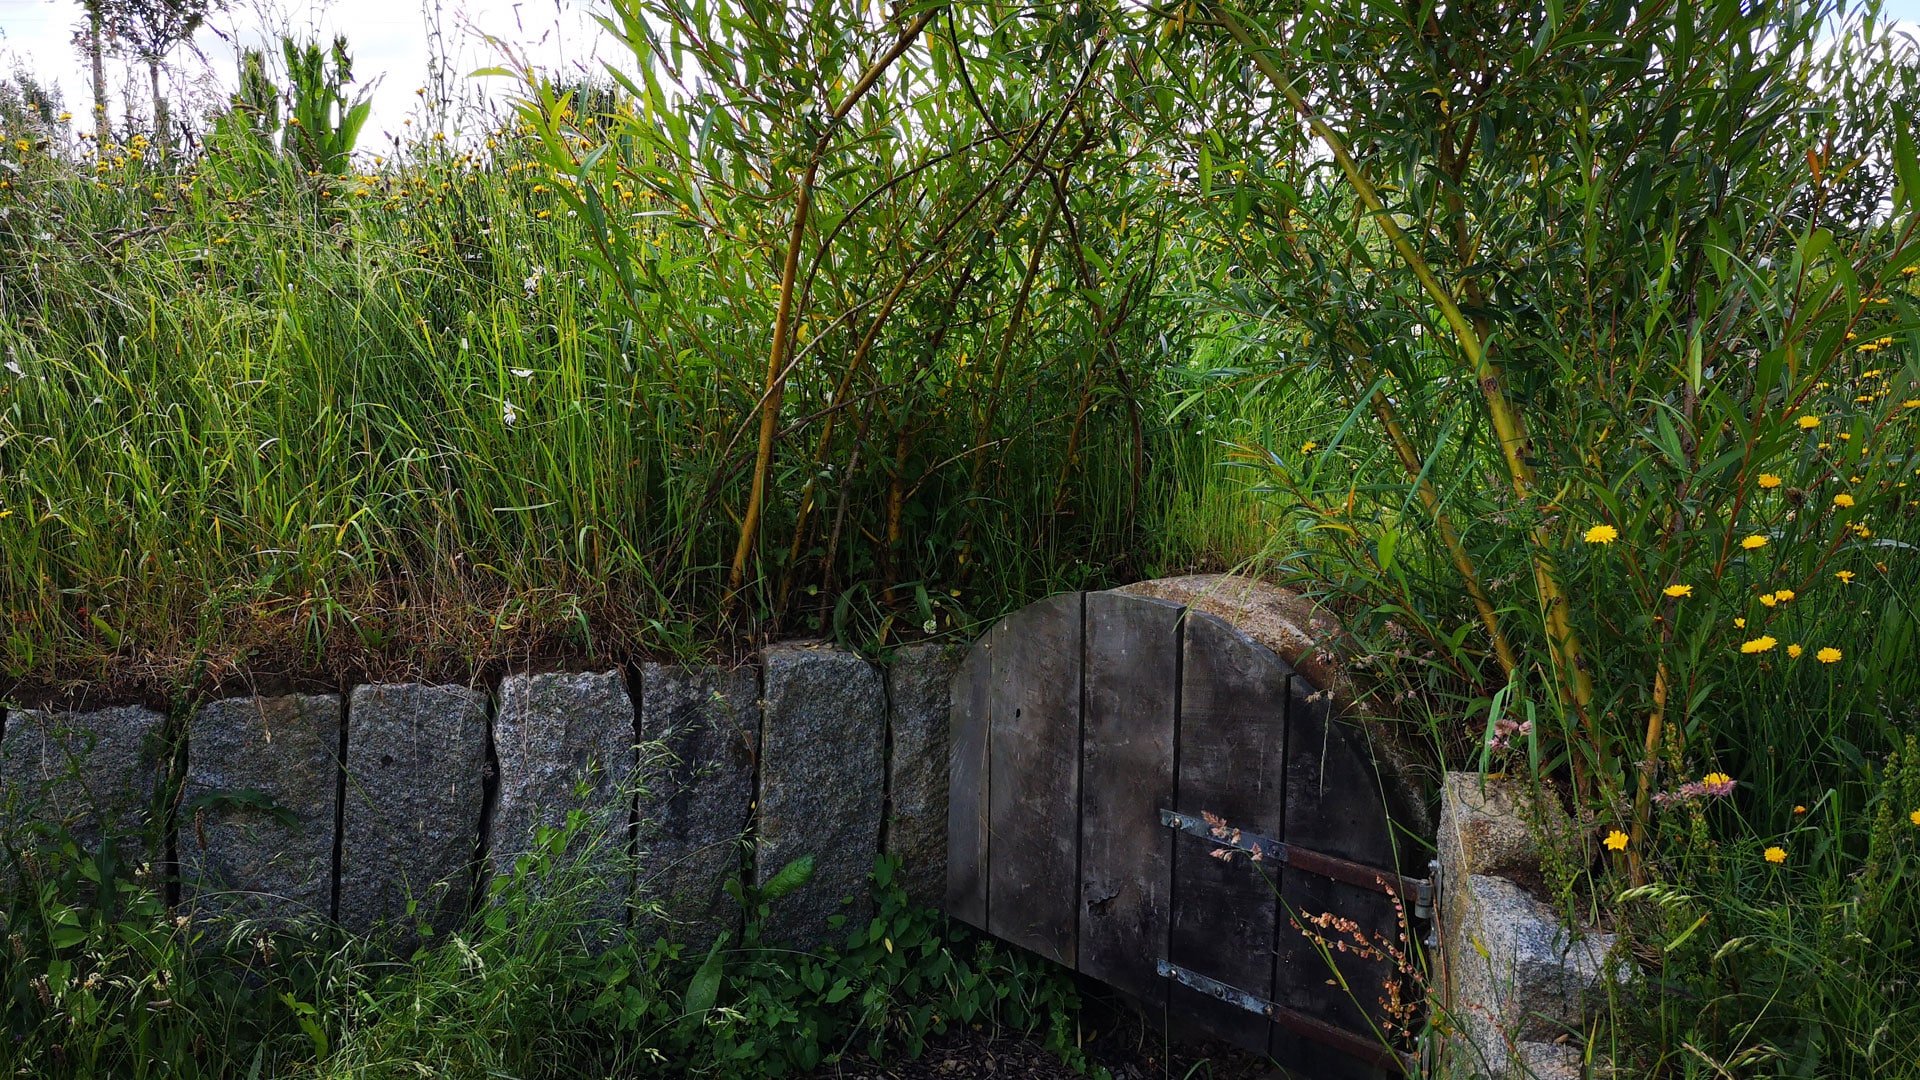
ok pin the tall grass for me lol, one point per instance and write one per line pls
(255, 419)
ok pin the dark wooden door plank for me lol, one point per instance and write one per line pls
(1231, 764)
(1335, 805)
(967, 787)
(1034, 755)
(1133, 652)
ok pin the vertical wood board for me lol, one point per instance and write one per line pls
(1133, 651)
(1334, 806)
(1232, 747)
(1035, 742)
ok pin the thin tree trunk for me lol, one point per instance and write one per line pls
(162, 131)
(102, 127)
(1571, 678)
(776, 360)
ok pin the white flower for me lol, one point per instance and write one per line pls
(521, 373)
(508, 414)
(532, 283)
(14, 366)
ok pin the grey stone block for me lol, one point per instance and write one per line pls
(1515, 977)
(1549, 1061)
(257, 825)
(416, 766)
(95, 773)
(1485, 825)
(919, 698)
(700, 732)
(565, 742)
(1535, 974)
(822, 785)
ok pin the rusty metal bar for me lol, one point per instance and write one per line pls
(1347, 1042)
(1266, 848)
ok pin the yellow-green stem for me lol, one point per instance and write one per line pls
(1576, 685)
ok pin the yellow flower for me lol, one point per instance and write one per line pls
(1617, 840)
(1795, 650)
(1828, 655)
(1768, 599)
(1799, 809)
(1914, 817)
(1776, 855)
(1715, 779)
(1739, 624)
(1760, 644)
(1678, 591)
(1309, 446)
(1911, 403)
(1753, 542)
(1768, 480)
(1784, 595)
(1602, 534)
(1843, 500)
(1845, 576)
(1808, 423)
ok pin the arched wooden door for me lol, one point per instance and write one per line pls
(1146, 794)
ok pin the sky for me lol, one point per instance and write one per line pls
(389, 41)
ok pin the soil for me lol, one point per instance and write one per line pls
(1115, 1037)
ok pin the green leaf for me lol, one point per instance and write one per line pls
(704, 988)
(791, 877)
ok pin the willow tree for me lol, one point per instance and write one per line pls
(1580, 273)
(928, 237)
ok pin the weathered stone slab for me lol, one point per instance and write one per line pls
(416, 767)
(1485, 827)
(822, 785)
(1515, 978)
(1536, 975)
(565, 742)
(256, 828)
(94, 773)
(919, 699)
(700, 732)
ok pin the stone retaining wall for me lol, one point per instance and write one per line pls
(387, 805)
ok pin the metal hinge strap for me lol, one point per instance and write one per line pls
(1347, 1042)
(1266, 848)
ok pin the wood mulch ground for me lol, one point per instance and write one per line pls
(979, 1057)
(1126, 1044)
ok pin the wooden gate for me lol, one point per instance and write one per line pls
(1145, 794)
